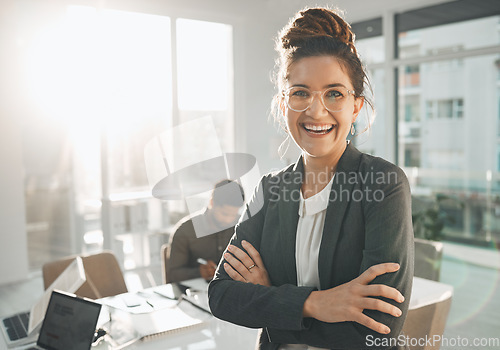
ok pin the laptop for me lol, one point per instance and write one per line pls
(22, 328)
(69, 323)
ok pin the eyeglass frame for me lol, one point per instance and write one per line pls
(285, 94)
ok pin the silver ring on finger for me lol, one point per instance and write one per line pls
(251, 267)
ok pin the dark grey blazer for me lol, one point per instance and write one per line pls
(368, 221)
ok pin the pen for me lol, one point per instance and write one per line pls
(202, 261)
(164, 295)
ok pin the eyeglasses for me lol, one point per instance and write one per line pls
(300, 99)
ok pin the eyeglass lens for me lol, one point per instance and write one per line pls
(300, 98)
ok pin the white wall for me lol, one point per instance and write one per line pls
(13, 245)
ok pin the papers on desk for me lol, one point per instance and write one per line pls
(126, 328)
(154, 312)
(167, 321)
(143, 302)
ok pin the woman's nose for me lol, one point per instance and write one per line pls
(317, 108)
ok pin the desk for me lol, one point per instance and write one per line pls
(218, 334)
(211, 334)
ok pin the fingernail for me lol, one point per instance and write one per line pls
(226, 255)
(398, 312)
(244, 242)
(229, 247)
(396, 266)
(401, 298)
(387, 330)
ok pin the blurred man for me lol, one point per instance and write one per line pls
(199, 241)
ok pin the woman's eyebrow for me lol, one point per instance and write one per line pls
(324, 87)
(334, 85)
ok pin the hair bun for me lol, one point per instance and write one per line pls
(317, 22)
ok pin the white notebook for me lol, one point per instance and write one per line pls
(127, 328)
(166, 321)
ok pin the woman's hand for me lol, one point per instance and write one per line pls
(246, 267)
(347, 301)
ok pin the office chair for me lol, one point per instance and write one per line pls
(428, 257)
(103, 273)
(430, 321)
(165, 256)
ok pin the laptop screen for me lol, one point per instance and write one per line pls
(69, 323)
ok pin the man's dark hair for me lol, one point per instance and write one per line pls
(228, 192)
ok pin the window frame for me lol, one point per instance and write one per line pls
(390, 24)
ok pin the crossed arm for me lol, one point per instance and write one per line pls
(373, 302)
(350, 299)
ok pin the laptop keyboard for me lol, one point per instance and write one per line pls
(17, 325)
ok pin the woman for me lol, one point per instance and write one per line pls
(324, 256)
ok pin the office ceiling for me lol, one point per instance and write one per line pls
(355, 10)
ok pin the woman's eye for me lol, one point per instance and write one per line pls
(333, 94)
(300, 93)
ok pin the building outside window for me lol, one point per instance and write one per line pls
(371, 129)
(446, 99)
(454, 149)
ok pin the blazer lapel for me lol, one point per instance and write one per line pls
(338, 202)
(289, 217)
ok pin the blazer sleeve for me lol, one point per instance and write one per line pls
(251, 305)
(389, 238)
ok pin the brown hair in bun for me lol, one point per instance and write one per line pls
(314, 23)
(319, 32)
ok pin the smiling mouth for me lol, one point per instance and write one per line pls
(318, 129)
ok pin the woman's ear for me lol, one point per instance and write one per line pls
(358, 105)
(282, 105)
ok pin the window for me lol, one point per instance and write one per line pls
(411, 105)
(498, 158)
(429, 109)
(445, 109)
(204, 68)
(445, 57)
(422, 33)
(371, 48)
(102, 82)
(411, 76)
(412, 155)
(369, 41)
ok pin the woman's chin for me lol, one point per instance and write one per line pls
(315, 153)
(323, 152)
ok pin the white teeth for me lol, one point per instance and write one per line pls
(318, 127)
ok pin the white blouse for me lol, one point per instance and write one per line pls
(312, 213)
